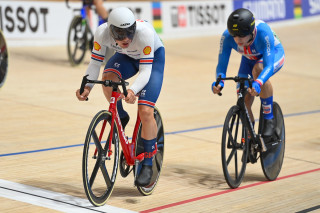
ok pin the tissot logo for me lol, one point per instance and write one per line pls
(197, 15)
(22, 19)
(125, 24)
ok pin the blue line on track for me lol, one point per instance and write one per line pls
(167, 133)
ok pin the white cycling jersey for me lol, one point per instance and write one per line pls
(145, 42)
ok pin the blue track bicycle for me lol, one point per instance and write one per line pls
(80, 34)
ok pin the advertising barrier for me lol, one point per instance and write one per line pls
(194, 17)
(29, 23)
(26, 23)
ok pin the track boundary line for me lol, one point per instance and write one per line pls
(167, 133)
(225, 192)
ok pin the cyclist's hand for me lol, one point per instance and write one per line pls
(217, 89)
(84, 95)
(131, 97)
(256, 89)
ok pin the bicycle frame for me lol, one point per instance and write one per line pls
(128, 148)
(241, 104)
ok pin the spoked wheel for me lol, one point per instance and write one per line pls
(272, 159)
(157, 159)
(77, 40)
(234, 148)
(3, 59)
(100, 161)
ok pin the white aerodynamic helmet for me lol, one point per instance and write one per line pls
(122, 23)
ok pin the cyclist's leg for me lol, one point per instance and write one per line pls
(245, 69)
(100, 9)
(119, 65)
(266, 95)
(147, 99)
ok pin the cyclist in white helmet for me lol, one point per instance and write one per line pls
(138, 50)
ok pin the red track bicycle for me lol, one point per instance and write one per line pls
(101, 149)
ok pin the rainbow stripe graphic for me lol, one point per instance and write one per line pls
(156, 11)
(297, 11)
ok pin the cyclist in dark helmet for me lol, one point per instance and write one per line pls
(241, 23)
(139, 50)
(262, 57)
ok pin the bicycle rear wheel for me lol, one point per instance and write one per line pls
(99, 170)
(272, 159)
(77, 43)
(234, 148)
(158, 158)
(3, 59)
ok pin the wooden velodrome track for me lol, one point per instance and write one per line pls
(43, 126)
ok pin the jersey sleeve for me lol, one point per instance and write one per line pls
(224, 54)
(146, 46)
(266, 46)
(97, 54)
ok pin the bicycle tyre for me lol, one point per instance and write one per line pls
(272, 159)
(233, 149)
(77, 41)
(98, 186)
(3, 59)
(158, 158)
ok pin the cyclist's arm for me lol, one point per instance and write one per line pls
(224, 54)
(266, 46)
(146, 42)
(97, 55)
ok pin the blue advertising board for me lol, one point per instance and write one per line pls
(268, 10)
(278, 10)
(310, 7)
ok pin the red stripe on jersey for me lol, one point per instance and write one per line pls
(259, 81)
(252, 57)
(146, 61)
(282, 60)
(97, 57)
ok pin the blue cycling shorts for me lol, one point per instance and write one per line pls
(126, 67)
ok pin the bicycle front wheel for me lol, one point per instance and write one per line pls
(77, 42)
(100, 159)
(234, 148)
(3, 59)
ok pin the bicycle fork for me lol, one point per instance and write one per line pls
(253, 133)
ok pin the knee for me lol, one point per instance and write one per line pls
(110, 76)
(146, 113)
(257, 70)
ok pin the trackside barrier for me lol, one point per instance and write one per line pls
(30, 23)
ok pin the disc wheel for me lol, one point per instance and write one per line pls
(100, 161)
(272, 159)
(234, 148)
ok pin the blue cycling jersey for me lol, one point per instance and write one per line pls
(265, 48)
